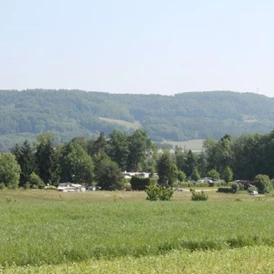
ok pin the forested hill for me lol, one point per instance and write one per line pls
(184, 116)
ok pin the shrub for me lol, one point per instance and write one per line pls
(127, 186)
(225, 189)
(198, 196)
(165, 193)
(139, 183)
(152, 193)
(36, 182)
(263, 183)
(235, 187)
(161, 193)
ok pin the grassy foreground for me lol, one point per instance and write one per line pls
(120, 232)
(242, 260)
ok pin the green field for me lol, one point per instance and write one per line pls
(135, 125)
(196, 145)
(120, 232)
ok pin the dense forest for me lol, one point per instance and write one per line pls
(100, 161)
(185, 116)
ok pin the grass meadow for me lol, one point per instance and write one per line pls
(120, 232)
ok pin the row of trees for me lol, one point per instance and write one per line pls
(81, 161)
(101, 160)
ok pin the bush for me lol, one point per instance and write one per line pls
(127, 186)
(198, 196)
(165, 193)
(235, 187)
(161, 193)
(36, 182)
(139, 183)
(225, 189)
(263, 183)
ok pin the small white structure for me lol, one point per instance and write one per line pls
(129, 175)
(69, 187)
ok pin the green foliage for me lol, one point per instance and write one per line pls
(263, 183)
(166, 169)
(138, 183)
(140, 147)
(26, 158)
(152, 192)
(228, 189)
(195, 174)
(108, 174)
(228, 174)
(181, 176)
(36, 182)
(198, 196)
(45, 159)
(76, 165)
(235, 187)
(181, 117)
(190, 164)
(214, 174)
(161, 193)
(118, 148)
(9, 170)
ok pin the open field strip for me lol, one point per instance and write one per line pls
(44, 230)
(196, 145)
(135, 125)
(241, 260)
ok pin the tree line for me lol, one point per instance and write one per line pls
(101, 160)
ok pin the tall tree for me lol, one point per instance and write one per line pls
(108, 174)
(26, 158)
(118, 148)
(81, 141)
(180, 158)
(9, 170)
(76, 165)
(45, 160)
(228, 174)
(195, 175)
(97, 146)
(190, 163)
(140, 147)
(247, 156)
(167, 170)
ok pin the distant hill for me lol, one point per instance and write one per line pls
(184, 116)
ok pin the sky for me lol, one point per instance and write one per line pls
(138, 46)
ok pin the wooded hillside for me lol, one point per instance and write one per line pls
(185, 116)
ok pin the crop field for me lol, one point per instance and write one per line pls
(196, 145)
(120, 232)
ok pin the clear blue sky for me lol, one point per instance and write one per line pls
(138, 46)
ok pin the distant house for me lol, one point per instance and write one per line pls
(129, 175)
(69, 187)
